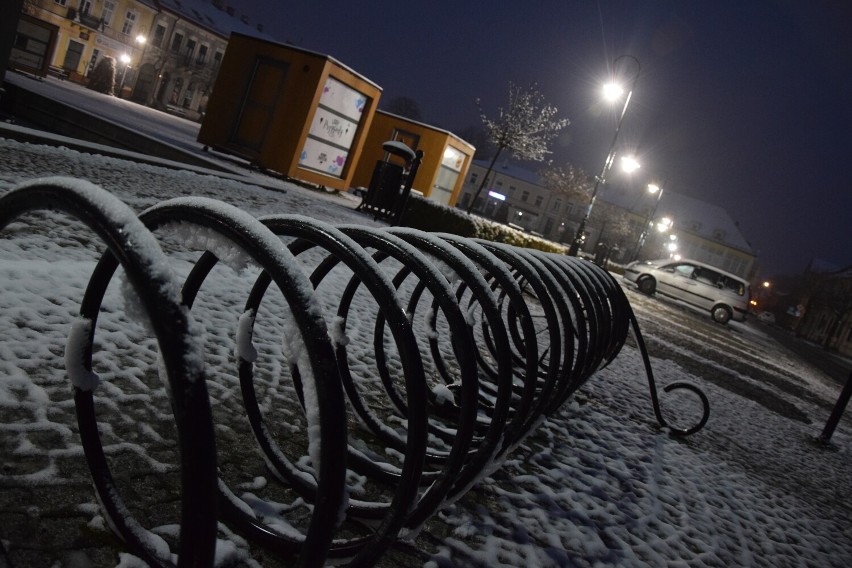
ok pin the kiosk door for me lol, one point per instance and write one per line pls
(262, 96)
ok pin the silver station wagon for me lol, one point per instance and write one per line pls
(724, 295)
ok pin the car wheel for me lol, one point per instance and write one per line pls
(721, 314)
(647, 285)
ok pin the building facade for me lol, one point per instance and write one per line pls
(827, 318)
(180, 61)
(515, 196)
(91, 29)
(167, 52)
(701, 230)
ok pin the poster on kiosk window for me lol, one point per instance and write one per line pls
(333, 129)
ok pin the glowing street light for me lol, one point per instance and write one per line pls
(629, 164)
(610, 91)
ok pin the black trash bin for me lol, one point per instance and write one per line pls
(601, 254)
(391, 182)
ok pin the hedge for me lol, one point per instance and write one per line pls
(426, 215)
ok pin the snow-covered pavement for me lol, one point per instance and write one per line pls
(597, 484)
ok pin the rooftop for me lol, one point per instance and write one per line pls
(218, 16)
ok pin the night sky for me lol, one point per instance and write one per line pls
(745, 104)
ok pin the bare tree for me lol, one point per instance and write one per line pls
(524, 128)
(570, 181)
(576, 185)
(616, 230)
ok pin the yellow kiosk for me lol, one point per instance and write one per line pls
(446, 157)
(299, 113)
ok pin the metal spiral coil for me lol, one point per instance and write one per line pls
(472, 344)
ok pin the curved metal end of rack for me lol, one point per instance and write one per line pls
(678, 385)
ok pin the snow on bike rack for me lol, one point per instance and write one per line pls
(442, 351)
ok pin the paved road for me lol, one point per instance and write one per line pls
(836, 367)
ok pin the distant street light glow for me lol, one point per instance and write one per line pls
(671, 246)
(496, 195)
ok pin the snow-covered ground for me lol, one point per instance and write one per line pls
(597, 484)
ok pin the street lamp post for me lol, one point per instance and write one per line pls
(141, 43)
(652, 188)
(611, 92)
(125, 59)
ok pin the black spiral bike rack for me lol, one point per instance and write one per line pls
(474, 343)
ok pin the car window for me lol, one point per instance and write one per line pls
(734, 285)
(683, 269)
(708, 276)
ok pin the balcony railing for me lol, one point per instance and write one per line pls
(91, 21)
(84, 19)
(117, 35)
